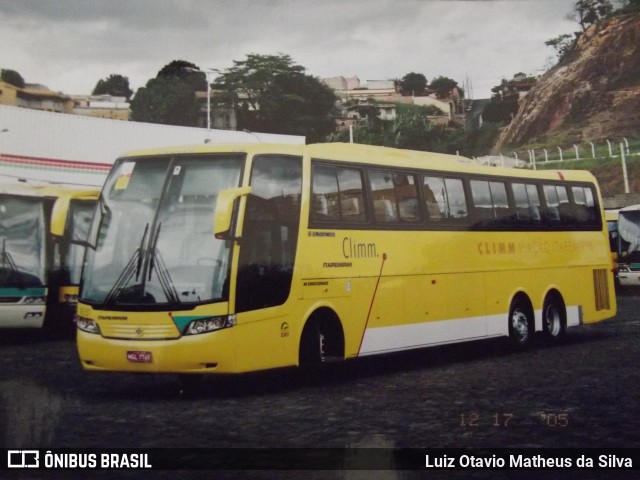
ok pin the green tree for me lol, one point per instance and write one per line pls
(629, 6)
(115, 84)
(187, 72)
(411, 129)
(12, 77)
(443, 86)
(588, 12)
(562, 44)
(248, 79)
(413, 84)
(170, 98)
(165, 100)
(298, 104)
(273, 95)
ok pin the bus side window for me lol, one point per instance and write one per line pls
(527, 203)
(481, 196)
(337, 195)
(586, 212)
(444, 199)
(395, 198)
(567, 215)
(499, 199)
(552, 212)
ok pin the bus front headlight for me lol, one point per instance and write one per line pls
(86, 324)
(209, 324)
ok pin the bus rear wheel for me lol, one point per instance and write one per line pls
(553, 322)
(520, 325)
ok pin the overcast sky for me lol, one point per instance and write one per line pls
(69, 45)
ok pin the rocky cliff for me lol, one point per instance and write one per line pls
(591, 96)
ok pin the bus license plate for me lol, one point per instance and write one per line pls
(138, 356)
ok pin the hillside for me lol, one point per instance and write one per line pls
(592, 96)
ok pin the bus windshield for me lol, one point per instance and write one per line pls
(22, 238)
(81, 212)
(154, 232)
(629, 235)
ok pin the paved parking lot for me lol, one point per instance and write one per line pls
(583, 393)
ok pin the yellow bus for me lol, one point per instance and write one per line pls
(224, 259)
(40, 266)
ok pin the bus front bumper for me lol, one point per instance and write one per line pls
(207, 353)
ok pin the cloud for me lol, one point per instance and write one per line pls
(70, 44)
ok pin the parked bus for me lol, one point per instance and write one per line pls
(215, 259)
(628, 246)
(40, 267)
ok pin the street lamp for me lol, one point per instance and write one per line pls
(206, 72)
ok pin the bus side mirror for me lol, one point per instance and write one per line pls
(59, 215)
(226, 211)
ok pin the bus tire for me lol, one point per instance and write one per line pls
(554, 318)
(521, 323)
(312, 346)
(322, 341)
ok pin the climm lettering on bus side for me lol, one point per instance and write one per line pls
(351, 248)
(496, 248)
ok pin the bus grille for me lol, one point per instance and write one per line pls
(140, 332)
(601, 287)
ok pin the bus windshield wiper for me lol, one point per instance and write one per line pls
(163, 273)
(140, 249)
(7, 259)
(134, 265)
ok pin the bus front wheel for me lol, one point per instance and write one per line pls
(322, 341)
(520, 324)
(312, 345)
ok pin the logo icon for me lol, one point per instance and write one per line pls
(23, 459)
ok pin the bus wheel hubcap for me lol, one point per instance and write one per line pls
(520, 326)
(552, 320)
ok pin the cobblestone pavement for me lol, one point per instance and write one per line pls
(582, 393)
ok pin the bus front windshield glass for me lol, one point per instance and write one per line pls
(153, 232)
(22, 242)
(81, 212)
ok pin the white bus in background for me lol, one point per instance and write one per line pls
(628, 246)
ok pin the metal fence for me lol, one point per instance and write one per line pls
(534, 157)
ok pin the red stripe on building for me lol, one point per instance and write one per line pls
(53, 162)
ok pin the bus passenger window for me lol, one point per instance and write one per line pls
(566, 211)
(444, 199)
(552, 213)
(499, 199)
(586, 213)
(456, 198)
(435, 197)
(394, 197)
(481, 195)
(527, 202)
(337, 195)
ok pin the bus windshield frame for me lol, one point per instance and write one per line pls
(154, 242)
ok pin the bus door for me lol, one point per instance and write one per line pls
(266, 261)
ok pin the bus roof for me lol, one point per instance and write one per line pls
(369, 154)
(48, 191)
(630, 208)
